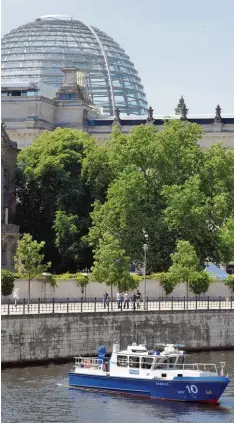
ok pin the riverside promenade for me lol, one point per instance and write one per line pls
(93, 305)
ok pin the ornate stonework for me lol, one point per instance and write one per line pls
(10, 232)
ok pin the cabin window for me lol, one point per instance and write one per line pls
(171, 361)
(16, 93)
(163, 375)
(180, 375)
(146, 362)
(161, 363)
(122, 360)
(134, 362)
(180, 362)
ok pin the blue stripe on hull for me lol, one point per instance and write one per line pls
(207, 389)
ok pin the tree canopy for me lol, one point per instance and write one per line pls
(165, 184)
(54, 200)
(111, 265)
(92, 203)
(186, 268)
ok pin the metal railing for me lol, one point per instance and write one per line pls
(88, 362)
(94, 305)
(200, 367)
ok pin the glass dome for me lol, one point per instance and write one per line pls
(38, 50)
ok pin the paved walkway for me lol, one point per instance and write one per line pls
(88, 307)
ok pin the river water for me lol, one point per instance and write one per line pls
(41, 395)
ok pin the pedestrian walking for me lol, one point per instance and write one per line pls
(16, 295)
(134, 301)
(126, 300)
(138, 298)
(118, 300)
(106, 299)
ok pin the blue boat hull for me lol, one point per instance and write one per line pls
(203, 389)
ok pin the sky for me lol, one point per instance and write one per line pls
(179, 47)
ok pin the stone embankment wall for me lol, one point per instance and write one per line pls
(63, 336)
(70, 289)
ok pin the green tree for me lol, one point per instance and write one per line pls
(28, 259)
(165, 183)
(200, 209)
(53, 193)
(66, 237)
(7, 282)
(200, 282)
(185, 264)
(82, 281)
(47, 279)
(229, 281)
(121, 213)
(72, 192)
(186, 213)
(226, 240)
(166, 282)
(111, 265)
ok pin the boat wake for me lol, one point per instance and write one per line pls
(62, 385)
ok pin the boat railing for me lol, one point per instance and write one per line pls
(201, 367)
(204, 367)
(89, 362)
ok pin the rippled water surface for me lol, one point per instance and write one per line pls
(41, 395)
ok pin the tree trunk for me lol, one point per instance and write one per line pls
(29, 286)
(187, 294)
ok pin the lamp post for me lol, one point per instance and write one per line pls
(145, 248)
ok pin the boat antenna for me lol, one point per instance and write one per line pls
(222, 364)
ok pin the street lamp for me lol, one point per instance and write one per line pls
(145, 248)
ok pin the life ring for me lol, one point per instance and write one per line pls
(87, 364)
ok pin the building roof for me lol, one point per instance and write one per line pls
(38, 50)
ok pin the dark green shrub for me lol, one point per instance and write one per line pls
(7, 282)
(199, 283)
(229, 281)
(166, 282)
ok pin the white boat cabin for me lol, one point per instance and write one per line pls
(137, 362)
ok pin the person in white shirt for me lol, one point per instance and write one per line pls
(118, 299)
(126, 300)
(16, 295)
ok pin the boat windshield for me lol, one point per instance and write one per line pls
(167, 362)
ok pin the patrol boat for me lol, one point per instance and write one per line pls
(151, 374)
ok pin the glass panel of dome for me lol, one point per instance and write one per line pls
(56, 43)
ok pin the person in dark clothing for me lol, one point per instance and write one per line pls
(106, 299)
(126, 300)
(134, 301)
(138, 298)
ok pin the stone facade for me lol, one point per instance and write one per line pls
(44, 337)
(28, 110)
(10, 232)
